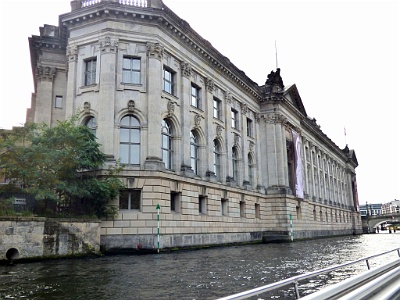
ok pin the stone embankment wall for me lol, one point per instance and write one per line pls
(27, 238)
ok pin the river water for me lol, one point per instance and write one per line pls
(197, 274)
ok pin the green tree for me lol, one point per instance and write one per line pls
(60, 165)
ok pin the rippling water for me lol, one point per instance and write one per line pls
(200, 274)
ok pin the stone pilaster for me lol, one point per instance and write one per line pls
(210, 129)
(72, 56)
(261, 169)
(228, 136)
(155, 54)
(108, 61)
(44, 102)
(185, 118)
(276, 151)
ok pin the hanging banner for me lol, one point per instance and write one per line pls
(298, 165)
(355, 194)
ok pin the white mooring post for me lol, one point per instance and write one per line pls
(291, 227)
(158, 227)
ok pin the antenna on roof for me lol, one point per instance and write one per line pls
(276, 56)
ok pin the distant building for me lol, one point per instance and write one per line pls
(373, 209)
(227, 160)
(391, 207)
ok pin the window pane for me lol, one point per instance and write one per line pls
(124, 135)
(134, 122)
(165, 141)
(135, 199)
(123, 200)
(135, 136)
(136, 77)
(165, 157)
(135, 64)
(167, 87)
(126, 76)
(167, 75)
(125, 121)
(135, 153)
(126, 63)
(124, 153)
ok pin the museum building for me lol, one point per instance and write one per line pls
(224, 159)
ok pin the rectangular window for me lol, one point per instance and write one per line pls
(217, 109)
(202, 205)
(257, 210)
(90, 71)
(130, 199)
(131, 70)
(242, 209)
(175, 202)
(58, 102)
(250, 127)
(168, 81)
(224, 207)
(235, 119)
(195, 91)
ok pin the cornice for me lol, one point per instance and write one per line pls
(311, 126)
(172, 24)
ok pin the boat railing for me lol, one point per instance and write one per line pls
(296, 279)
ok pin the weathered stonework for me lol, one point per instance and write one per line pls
(36, 238)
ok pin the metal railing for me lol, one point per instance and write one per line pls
(295, 280)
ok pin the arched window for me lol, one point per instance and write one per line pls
(166, 144)
(129, 145)
(250, 168)
(235, 159)
(194, 152)
(91, 123)
(217, 159)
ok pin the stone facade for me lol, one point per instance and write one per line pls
(227, 160)
(35, 238)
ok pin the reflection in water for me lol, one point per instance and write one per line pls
(200, 274)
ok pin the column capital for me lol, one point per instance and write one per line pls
(72, 53)
(209, 83)
(45, 73)
(109, 45)
(186, 69)
(155, 50)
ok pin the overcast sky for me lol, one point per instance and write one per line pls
(343, 57)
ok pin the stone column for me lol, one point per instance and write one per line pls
(276, 154)
(185, 118)
(72, 56)
(323, 178)
(245, 147)
(270, 150)
(261, 168)
(229, 136)
(211, 132)
(312, 183)
(44, 92)
(155, 54)
(108, 63)
(305, 167)
(281, 152)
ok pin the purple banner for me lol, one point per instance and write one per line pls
(298, 165)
